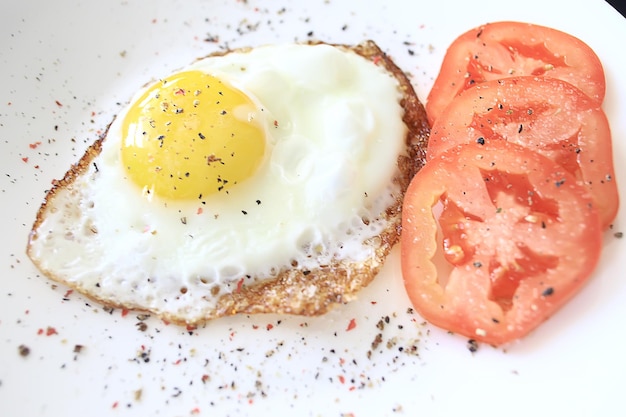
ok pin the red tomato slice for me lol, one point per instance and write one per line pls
(545, 114)
(502, 49)
(495, 239)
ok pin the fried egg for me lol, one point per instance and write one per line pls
(226, 173)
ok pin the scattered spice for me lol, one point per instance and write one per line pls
(23, 350)
(351, 325)
(472, 345)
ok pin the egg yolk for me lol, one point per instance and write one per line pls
(191, 135)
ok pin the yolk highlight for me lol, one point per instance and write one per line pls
(191, 135)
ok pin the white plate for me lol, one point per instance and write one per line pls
(65, 68)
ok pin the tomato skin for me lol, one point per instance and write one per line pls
(526, 239)
(508, 48)
(547, 115)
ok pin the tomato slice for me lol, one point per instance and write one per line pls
(495, 239)
(502, 49)
(545, 114)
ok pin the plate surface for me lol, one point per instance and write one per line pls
(66, 68)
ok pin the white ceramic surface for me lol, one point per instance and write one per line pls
(66, 66)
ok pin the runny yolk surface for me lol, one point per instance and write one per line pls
(191, 135)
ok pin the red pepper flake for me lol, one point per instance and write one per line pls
(377, 59)
(351, 325)
(352, 388)
(58, 103)
(179, 92)
(270, 326)
(50, 331)
(342, 379)
(374, 303)
(254, 326)
(275, 123)
(124, 312)
(166, 322)
(205, 378)
(191, 327)
(40, 331)
(34, 145)
(196, 410)
(199, 210)
(68, 293)
(115, 404)
(178, 362)
(239, 286)
(25, 159)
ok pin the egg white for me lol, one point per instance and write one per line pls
(334, 128)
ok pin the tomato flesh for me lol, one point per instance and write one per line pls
(547, 115)
(518, 234)
(504, 49)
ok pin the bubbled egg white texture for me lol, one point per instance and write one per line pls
(327, 131)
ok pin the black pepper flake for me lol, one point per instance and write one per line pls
(480, 141)
(472, 345)
(521, 127)
(244, 212)
(377, 341)
(618, 235)
(258, 202)
(201, 136)
(559, 183)
(23, 350)
(548, 292)
(142, 327)
(223, 112)
(478, 264)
